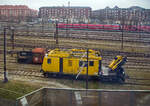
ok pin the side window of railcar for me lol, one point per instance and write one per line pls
(49, 61)
(69, 62)
(82, 63)
(91, 63)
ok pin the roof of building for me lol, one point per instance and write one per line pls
(65, 7)
(15, 7)
(136, 7)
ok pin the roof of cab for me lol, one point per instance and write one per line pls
(38, 50)
(78, 53)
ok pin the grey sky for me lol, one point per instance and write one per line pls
(94, 4)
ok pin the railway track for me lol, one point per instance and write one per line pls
(32, 44)
(137, 81)
(33, 74)
(140, 84)
(27, 71)
(49, 43)
(133, 57)
(95, 35)
(24, 73)
(142, 39)
(46, 38)
(136, 61)
(132, 65)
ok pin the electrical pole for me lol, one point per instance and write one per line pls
(43, 25)
(56, 33)
(27, 27)
(67, 25)
(122, 30)
(12, 37)
(68, 14)
(87, 68)
(5, 74)
(122, 38)
(12, 40)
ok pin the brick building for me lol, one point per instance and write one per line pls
(16, 13)
(72, 14)
(134, 15)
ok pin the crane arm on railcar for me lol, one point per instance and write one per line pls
(114, 72)
(117, 62)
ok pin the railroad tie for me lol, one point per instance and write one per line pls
(21, 72)
(33, 73)
(17, 72)
(26, 73)
(37, 74)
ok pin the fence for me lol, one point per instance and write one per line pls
(6, 102)
(76, 97)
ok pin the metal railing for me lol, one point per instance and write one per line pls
(80, 97)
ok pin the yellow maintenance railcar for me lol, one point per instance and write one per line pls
(71, 63)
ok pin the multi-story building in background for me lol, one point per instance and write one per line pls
(63, 14)
(134, 15)
(16, 13)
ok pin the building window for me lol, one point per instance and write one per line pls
(49, 61)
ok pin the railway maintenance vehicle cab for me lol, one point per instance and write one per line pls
(24, 57)
(35, 56)
(38, 55)
(73, 64)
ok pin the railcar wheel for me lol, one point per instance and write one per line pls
(121, 76)
(121, 80)
(45, 75)
(19, 61)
